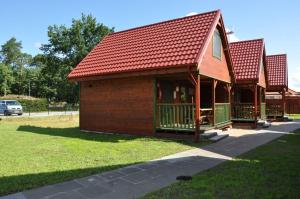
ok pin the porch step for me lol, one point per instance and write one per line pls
(208, 135)
(263, 124)
(287, 119)
(218, 137)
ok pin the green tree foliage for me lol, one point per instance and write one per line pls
(66, 48)
(46, 73)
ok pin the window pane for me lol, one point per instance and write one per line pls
(217, 49)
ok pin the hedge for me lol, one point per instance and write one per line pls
(39, 105)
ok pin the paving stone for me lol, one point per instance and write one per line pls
(93, 191)
(129, 170)
(147, 166)
(14, 196)
(68, 195)
(137, 177)
(89, 180)
(40, 192)
(67, 186)
(111, 175)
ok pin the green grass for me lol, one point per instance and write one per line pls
(41, 151)
(270, 171)
(294, 116)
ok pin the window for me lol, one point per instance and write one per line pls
(217, 45)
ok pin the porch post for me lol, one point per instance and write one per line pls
(197, 99)
(255, 105)
(214, 84)
(229, 99)
(283, 102)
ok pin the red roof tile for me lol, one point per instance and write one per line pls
(166, 44)
(277, 70)
(246, 58)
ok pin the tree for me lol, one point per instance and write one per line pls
(5, 79)
(17, 61)
(10, 52)
(66, 48)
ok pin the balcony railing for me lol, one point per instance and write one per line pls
(182, 116)
(222, 113)
(263, 111)
(176, 116)
(242, 111)
(274, 110)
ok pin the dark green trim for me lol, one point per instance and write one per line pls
(154, 103)
(242, 119)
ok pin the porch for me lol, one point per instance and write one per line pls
(249, 104)
(176, 105)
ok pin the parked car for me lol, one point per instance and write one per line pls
(9, 107)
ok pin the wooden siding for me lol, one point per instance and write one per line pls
(262, 77)
(214, 67)
(118, 105)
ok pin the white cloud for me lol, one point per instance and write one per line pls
(38, 45)
(191, 14)
(294, 80)
(232, 36)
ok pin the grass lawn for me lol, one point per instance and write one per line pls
(294, 116)
(40, 151)
(270, 171)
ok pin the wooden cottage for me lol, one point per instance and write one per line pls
(248, 94)
(292, 102)
(278, 85)
(173, 76)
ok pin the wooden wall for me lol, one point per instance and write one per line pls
(118, 105)
(214, 67)
(292, 105)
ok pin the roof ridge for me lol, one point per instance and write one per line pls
(277, 55)
(161, 22)
(249, 40)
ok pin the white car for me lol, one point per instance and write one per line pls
(9, 107)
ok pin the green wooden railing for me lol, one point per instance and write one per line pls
(274, 110)
(242, 111)
(176, 116)
(263, 110)
(222, 113)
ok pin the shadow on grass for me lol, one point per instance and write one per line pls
(74, 132)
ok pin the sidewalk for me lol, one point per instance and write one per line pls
(137, 180)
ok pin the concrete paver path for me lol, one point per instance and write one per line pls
(137, 180)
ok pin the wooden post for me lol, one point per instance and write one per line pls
(283, 102)
(229, 99)
(197, 115)
(213, 86)
(255, 105)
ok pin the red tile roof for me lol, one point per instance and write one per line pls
(246, 57)
(277, 70)
(166, 44)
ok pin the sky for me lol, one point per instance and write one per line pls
(275, 21)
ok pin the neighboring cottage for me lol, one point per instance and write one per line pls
(278, 85)
(165, 77)
(249, 61)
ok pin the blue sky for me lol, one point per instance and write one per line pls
(275, 21)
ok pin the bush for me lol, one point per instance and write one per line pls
(29, 103)
(39, 105)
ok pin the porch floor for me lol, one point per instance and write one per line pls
(204, 127)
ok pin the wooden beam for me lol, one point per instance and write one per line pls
(283, 102)
(197, 115)
(255, 105)
(213, 86)
(229, 98)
